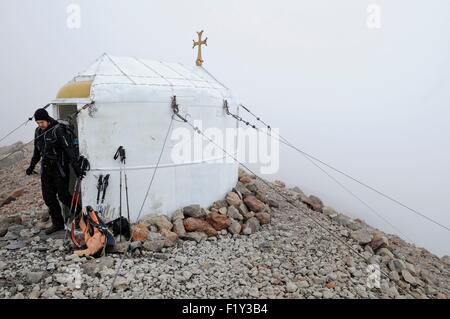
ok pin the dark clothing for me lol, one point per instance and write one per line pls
(52, 146)
(53, 185)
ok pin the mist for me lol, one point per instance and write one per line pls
(373, 102)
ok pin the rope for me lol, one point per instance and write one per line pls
(285, 142)
(288, 200)
(280, 139)
(23, 124)
(70, 117)
(142, 206)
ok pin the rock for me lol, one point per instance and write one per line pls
(3, 230)
(194, 211)
(254, 204)
(135, 245)
(392, 292)
(330, 285)
(408, 277)
(178, 215)
(17, 193)
(154, 245)
(379, 241)
(446, 259)
(279, 183)
(354, 225)
(3, 265)
(316, 203)
(233, 199)
(16, 245)
(252, 188)
(196, 236)
(397, 265)
(181, 259)
(245, 179)
(233, 212)
(291, 287)
(218, 221)
(385, 252)
(235, 227)
(50, 293)
(94, 266)
(303, 284)
(223, 210)
(241, 188)
(410, 268)
(393, 275)
(264, 218)
(160, 221)
(262, 197)
(219, 204)
(120, 247)
(362, 236)
(341, 219)
(121, 283)
(139, 232)
(251, 226)
(327, 294)
(328, 210)
(170, 238)
(273, 203)
(306, 200)
(253, 292)
(178, 227)
(34, 277)
(194, 224)
(243, 210)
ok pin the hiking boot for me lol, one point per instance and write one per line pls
(53, 229)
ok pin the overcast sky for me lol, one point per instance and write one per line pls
(374, 102)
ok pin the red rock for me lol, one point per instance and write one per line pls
(218, 221)
(264, 218)
(330, 285)
(379, 241)
(317, 204)
(192, 224)
(17, 193)
(245, 179)
(254, 204)
(140, 232)
(170, 237)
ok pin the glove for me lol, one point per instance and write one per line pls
(29, 170)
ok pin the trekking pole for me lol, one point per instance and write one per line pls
(118, 153)
(66, 220)
(84, 166)
(123, 159)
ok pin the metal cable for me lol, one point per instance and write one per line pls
(284, 141)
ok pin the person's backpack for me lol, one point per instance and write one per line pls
(72, 139)
(120, 226)
(97, 236)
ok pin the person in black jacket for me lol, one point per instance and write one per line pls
(53, 146)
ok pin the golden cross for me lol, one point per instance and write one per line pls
(199, 43)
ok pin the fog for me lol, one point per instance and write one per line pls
(373, 102)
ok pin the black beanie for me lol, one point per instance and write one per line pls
(41, 115)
